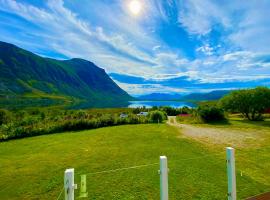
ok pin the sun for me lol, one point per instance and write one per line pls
(135, 7)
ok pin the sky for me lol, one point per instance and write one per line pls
(150, 46)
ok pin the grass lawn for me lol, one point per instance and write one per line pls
(253, 158)
(33, 168)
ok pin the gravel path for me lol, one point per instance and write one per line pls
(224, 137)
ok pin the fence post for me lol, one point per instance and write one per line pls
(83, 190)
(69, 184)
(163, 178)
(231, 173)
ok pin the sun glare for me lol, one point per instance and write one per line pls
(135, 7)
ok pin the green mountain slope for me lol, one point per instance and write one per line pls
(26, 75)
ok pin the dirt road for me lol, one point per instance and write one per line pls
(218, 136)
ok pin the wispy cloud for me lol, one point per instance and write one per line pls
(183, 84)
(199, 17)
(229, 42)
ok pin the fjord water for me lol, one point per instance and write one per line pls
(149, 104)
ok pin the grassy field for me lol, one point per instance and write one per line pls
(33, 168)
(254, 149)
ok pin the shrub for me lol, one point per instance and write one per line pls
(34, 111)
(19, 115)
(52, 122)
(157, 116)
(139, 109)
(39, 122)
(4, 116)
(210, 113)
(42, 115)
(186, 110)
(170, 111)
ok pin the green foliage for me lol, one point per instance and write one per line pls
(140, 109)
(210, 113)
(157, 116)
(205, 113)
(32, 122)
(208, 103)
(170, 111)
(40, 121)
(250, 102)
(186, 110)
(4, 116)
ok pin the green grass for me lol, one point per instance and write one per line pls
(253, 159)
(239, 123)
(33, 168)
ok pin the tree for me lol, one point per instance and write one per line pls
(250, 102)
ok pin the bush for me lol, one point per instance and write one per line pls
(170, 111)
(211, 113)
(186, 110)
(139, 109)
(157, 116)
(4, 116)
(47, 122)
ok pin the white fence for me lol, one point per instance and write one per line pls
(70, 186)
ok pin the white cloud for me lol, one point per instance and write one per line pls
(155, 48)
(73, 37)
(124, 45)
(245, 24)
(199, 17)
(206, 49)
(66, 33)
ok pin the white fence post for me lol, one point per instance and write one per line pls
(69, 184)
(231, 173)
(163, 178)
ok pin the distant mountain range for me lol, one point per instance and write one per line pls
(160, 97)
(213, 95)
(26, 75)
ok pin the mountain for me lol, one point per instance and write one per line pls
(213, 95)
(160, 97)
(26, 75)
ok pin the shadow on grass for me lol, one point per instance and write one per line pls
(219, 123)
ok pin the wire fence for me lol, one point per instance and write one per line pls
(82, 177)
(121, 169)
(151, 164)
(174, 163)
(60, 194)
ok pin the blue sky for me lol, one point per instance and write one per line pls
(172, 46)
